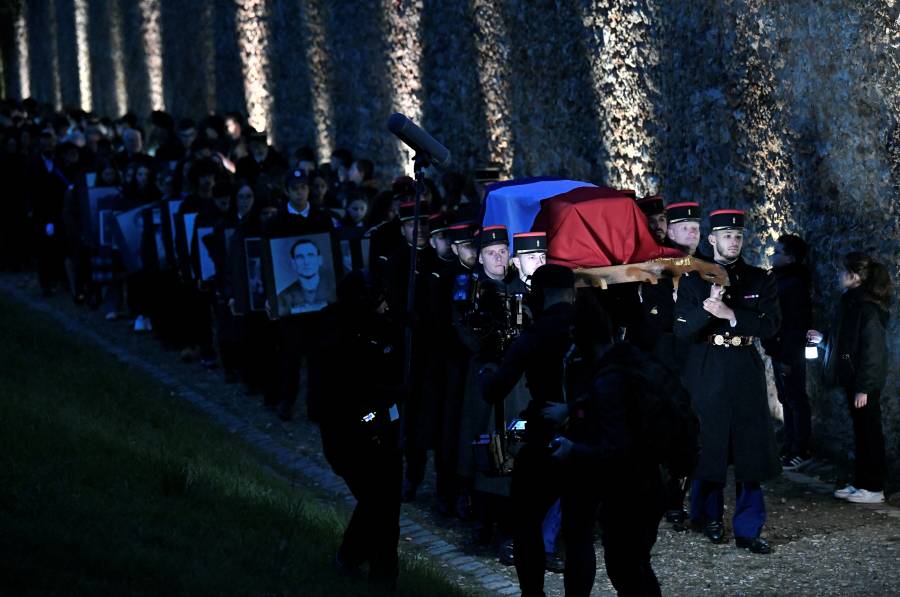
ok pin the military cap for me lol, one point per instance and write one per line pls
(529, 242)
(552, 275)
(488, 173)
(492, 235)
(725, 219)
(438, 222)
(686, 211)
(651, 205)
(462, 232)
(408, 210)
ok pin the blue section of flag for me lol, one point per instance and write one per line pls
(516, 203)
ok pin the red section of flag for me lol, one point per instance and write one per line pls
(596, 227)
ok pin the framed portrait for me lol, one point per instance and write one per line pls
(168, 211)
(106, 236)
(248, 282)
(184, 235)
(300, 273)
(154, 252)
(93, 201)
(354, 254)
(204, 256)
(130, 236)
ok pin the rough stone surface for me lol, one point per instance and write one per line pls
(786, 109)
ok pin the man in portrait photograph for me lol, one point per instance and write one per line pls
(306, 293)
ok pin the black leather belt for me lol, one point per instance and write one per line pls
(729, 341)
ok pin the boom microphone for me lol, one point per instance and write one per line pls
(418, 140)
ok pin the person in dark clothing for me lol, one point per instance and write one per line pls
(360, 426)
(786, 347)
(606, 449)
(538, 354)
(298, 335)
(682, 222)
(856, 360)
(418, 411)
(46, 187)
(726, 380)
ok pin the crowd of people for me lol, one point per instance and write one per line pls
(547, 407)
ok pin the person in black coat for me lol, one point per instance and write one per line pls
(610, 463)
(726, 380)
(787, 346)
(360, 425)
(681, 231)
(418, 410)
(538, 354)
(298, 335)
(856, 360)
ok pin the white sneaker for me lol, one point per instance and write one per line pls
(148, 325)
(864, 496)
(139, 323)
(845, 493)
(112, 316)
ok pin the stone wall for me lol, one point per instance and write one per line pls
(787, 109)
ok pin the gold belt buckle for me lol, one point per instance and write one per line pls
(736, 341)
(719, 340)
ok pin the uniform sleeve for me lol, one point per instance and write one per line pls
(870, 359)
(690, 316)
(765, 320)
(496, 386)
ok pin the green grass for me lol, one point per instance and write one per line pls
(109, 486)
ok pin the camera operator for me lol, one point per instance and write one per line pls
(538, 354)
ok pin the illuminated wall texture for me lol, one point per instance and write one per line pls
(787, 109)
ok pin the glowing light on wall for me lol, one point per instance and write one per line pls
(402, 18)
(23, 58)
(55, 76)
(151, 29)
(84, 54)
(621, 51)
(492, 49)
(118, 57)
(209, 55)
(253, 40)
(319, 68)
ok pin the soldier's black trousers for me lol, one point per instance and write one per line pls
(535, 487)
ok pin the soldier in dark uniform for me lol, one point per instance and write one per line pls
(538, 354)
(417, 415)
(361, 429)
(529, 253)
(653, 208)
(444, 370)
(726, 380)
(298, 336)
(658, 337)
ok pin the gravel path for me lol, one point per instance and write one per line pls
(822, 546)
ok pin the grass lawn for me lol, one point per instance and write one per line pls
(108, 486)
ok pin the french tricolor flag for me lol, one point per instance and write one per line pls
(586, 225)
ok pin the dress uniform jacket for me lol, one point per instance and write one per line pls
(727, 383)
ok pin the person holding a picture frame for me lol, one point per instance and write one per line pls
(298, 337)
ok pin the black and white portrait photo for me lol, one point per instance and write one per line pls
(130, 236)
(303, 271)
